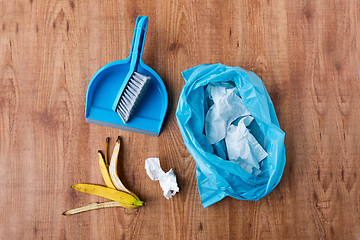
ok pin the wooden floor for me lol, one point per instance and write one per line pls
(306, 52)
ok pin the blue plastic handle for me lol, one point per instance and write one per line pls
(138, 43)
(136, 51)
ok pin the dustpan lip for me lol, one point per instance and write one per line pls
(123, 127)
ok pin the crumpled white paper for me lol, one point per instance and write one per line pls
(242, 147)
(227, 107)
(220, 123)
(167, 180)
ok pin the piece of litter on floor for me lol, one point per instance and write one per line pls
(167, 180)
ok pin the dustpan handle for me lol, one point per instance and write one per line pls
(138, 42)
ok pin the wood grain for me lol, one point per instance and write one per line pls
(306, 52)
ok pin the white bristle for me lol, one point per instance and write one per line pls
(136, 85)
(131, 91)
(131, 96)
(137, 79)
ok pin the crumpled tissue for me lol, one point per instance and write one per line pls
(167, 180)
(227, 107)
(228, 118)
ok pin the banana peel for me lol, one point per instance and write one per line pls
(92, 206)
(106, 176)
(106, 151)
(109, 193)
(104, 171)
(113, 170)
(115, 189)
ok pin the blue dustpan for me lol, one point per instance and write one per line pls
(105, 85)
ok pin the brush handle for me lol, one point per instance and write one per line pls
(138, 42)
(137, 47)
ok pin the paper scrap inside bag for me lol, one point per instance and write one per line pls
(227, 119)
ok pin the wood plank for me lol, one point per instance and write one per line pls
(306, 52)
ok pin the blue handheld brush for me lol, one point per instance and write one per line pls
(131, 95)
(135, 84)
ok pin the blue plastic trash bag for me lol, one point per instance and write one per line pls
(216, 176)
